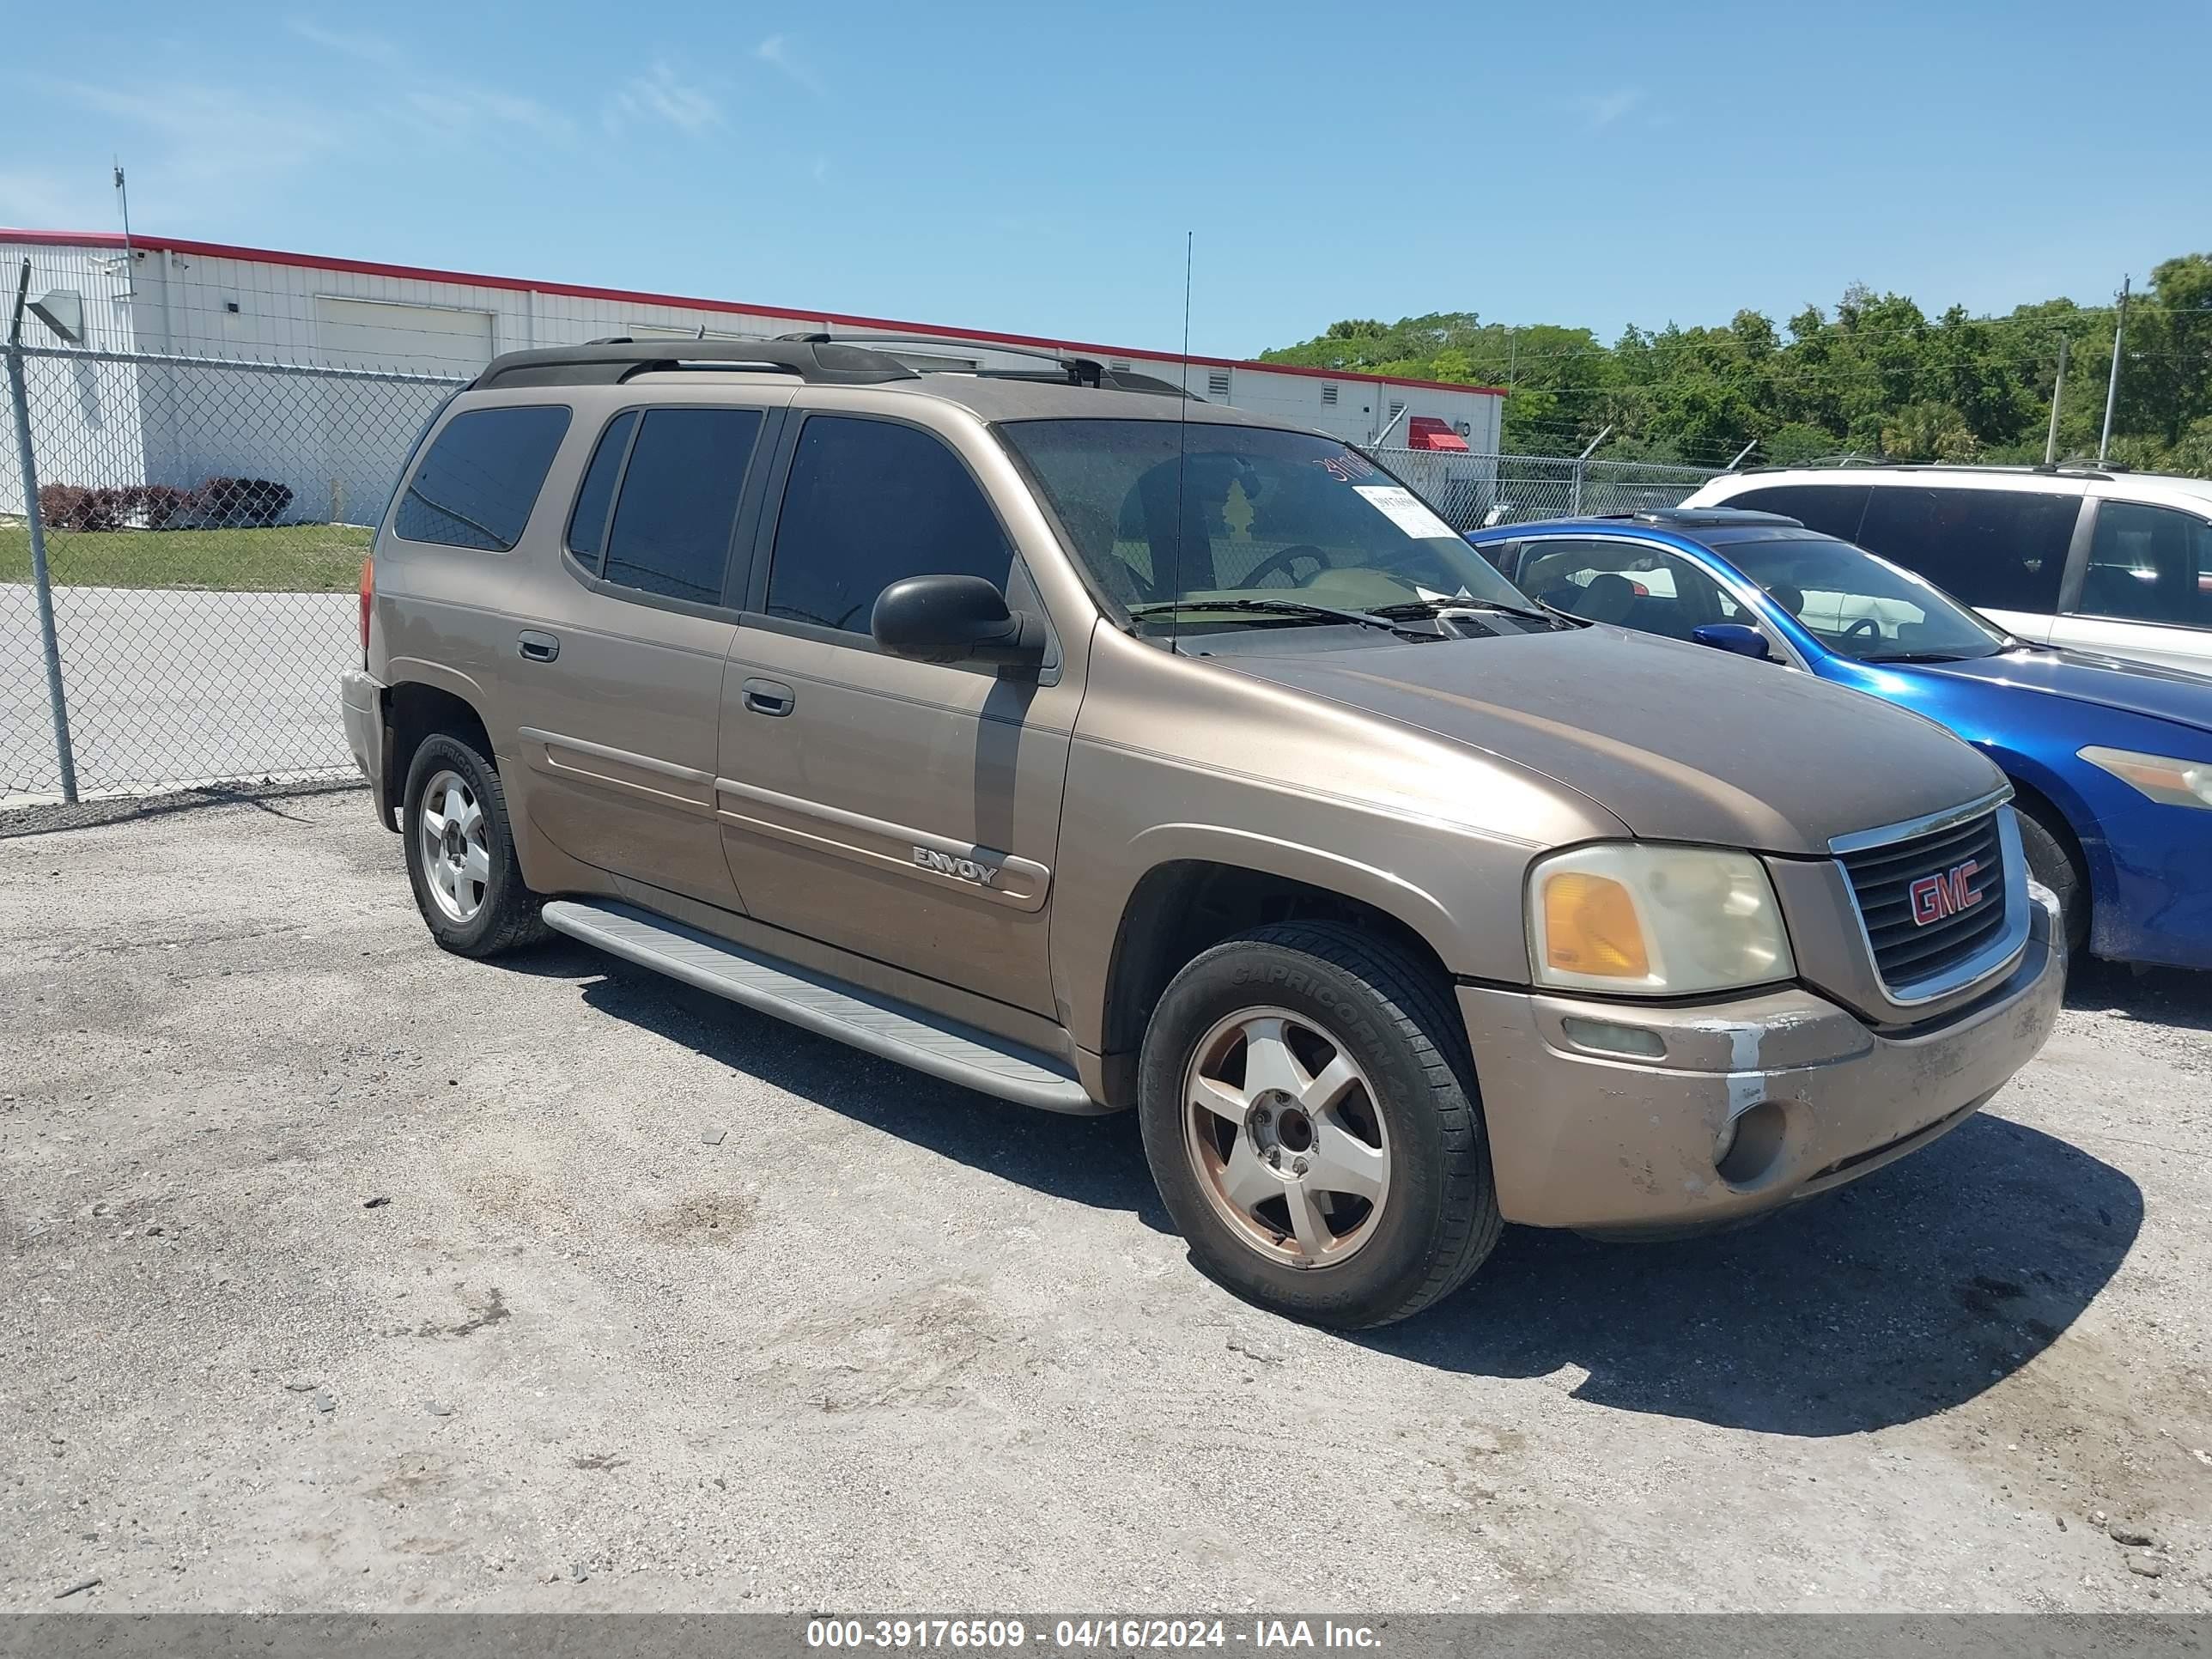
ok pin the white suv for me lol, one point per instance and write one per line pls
(2103, 561)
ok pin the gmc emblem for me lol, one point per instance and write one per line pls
(1946, 894)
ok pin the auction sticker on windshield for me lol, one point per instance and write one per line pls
(1405, 509)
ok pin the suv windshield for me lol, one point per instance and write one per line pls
(1861, 606)
(1288, 519)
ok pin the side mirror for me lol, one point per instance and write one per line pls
(1745, 642)
(955, 619)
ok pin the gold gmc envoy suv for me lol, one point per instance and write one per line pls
(1095, 747)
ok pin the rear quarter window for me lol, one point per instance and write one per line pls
(476, 483)
(2004, 549)
(1831, 509)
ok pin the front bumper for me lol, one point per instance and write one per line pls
(361, 695)
(1583, 1138)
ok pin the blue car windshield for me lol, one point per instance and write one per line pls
(1862, 607)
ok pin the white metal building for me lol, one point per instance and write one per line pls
(204, 300)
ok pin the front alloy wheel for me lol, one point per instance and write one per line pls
(1310, 1116)
(1282, 1131)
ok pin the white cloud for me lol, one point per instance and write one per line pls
(48, 199)
(660, 95)
(1603, 109)
(368, 48)
(213, 138)
(453, 107)
(460, 109)
(777, 53)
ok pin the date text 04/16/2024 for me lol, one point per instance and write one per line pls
(1086, 1634)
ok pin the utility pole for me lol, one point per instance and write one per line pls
(2057, 392)
(2112, 386)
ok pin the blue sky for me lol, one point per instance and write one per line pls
(1034, 166)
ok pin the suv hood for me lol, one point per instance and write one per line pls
(1679, 742)
(2140, 688)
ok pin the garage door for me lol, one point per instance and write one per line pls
(426, 339)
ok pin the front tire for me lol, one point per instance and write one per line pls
(1310, 1116)
(2052, 862)
(460, 852)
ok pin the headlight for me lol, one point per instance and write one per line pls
(1654, 920)
(2176, 782)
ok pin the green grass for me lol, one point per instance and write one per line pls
(293, 558)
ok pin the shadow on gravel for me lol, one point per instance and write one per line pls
(2159, 996)
(1891, 1299)
(49, 817)
(1096, 1161)
(1888, 1300)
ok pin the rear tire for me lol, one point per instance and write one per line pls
(2051, 860)
(1266, 1166)
(460, 852)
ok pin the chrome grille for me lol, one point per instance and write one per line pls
(1917, 941)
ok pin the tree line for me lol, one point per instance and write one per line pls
(1874, 377)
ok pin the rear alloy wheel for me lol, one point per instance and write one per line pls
(1310, 1117)
(455, 855)
(460, 852)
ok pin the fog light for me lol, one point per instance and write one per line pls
(1609, 1038)
(1750, 1148)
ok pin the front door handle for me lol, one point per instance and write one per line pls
(770, 697)
(537, 647)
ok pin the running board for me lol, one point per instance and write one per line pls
(815, 1002)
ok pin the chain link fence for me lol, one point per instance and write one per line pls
(203, 522)
(1469, 491)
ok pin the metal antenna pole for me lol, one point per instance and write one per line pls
(1740, 454)
(1582, 462)
(35, 521)
(2057, 393)
(2112, 386)
(129, 259)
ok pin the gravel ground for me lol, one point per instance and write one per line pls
(340, 1273)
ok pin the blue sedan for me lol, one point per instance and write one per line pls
(2112, 761)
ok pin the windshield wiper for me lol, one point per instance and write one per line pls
(1916, 656)
(1437, 607)
(1285, 608)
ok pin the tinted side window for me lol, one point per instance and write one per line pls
(2149, 564)
(673, 525)
(2002, 548)
(868, 503)
(587, 522)
(1831, 509)
(480, 478)
(1645, 588)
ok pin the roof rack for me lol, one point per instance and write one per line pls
(1887, 463)
(618, 357)
(1072, 370)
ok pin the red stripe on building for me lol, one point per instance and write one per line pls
(108, 238)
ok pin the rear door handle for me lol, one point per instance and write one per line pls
(770, 697)
(537, 647)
